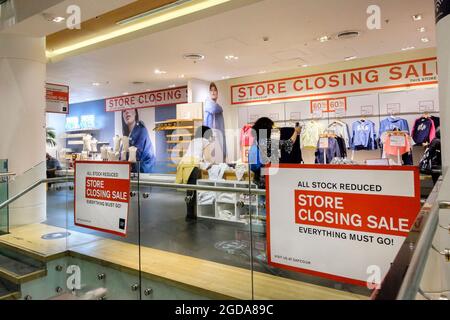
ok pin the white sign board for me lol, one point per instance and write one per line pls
(102, 191)
(345, 223)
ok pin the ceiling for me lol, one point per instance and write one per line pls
(292, 28)
(38, 26)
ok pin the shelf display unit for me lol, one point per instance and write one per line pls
(179, 134)
(74, 139)
(229, 207)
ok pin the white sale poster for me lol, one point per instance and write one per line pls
(345, 223)
(102, 196)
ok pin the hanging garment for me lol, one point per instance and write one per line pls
(341, 129)
(295, 155)
(364, 135)
(393, 150)
(246, 136)
(333, 151)
(392, 124)
(437, 122)
(342, 147)
(213, 118)
(423, 131)
(311, 133)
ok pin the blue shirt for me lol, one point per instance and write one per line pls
(391, 124)
(140, 139)
(364, 135)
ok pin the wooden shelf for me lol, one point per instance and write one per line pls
(180, 135)
(176, 150)
(177, 141)
(174, 128)
(178, 121)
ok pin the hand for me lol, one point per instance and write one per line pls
(298, 130)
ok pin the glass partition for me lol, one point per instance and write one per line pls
(4, 225)
(195, 244)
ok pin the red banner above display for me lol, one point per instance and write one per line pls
(102, 192)
(57, 98)
(149, 99)
(382, 77)
(345, 223)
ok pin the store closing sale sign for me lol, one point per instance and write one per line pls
(340, 222)
(102, 193)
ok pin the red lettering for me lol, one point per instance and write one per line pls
(242, 92)
(320, 86)
(260, 90)
(396, 73)
(271, 88)
(372, 76)
(282, 87)
(424, 70)
(412, 71)
(251, 90)
(298, 85)
(356, 78)
(308, 85)
(334, 81)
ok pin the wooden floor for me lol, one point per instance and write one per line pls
(218, 280)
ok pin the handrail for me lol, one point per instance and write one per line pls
(32, 187)
(140, 183)
(413, 276)
(7, 174)
(199, 187)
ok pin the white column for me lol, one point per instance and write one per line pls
(22, 121)
(443, 44)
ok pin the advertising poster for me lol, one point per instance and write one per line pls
(57, 98)
(345, 223)
(102, 192)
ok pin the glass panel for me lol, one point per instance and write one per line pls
(194, 244)
(4, 225)
(109, 263)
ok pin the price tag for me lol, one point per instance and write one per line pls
(398, 141)
(318, 107)
(323, 143)
(338, 105)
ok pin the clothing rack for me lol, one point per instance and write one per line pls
(358, 117)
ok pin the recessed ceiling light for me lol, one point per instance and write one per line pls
(304, 65)
(408, 48)
(157, 71)
(96, 84)
(181, 76)
(350, 58)
(425, 40)
(172, 86)
(324, 38)
(58, 19)
(262, 71)
(126, 93)
(422, 29)
(231, 57)
(417, 17)
(225, 77)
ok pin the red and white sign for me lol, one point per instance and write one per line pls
(381, 77)
(57, 98)
(149, 99)
(102, 196)
(329, 105)
(340, 222)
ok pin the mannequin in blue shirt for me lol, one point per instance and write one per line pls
(139, 138)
